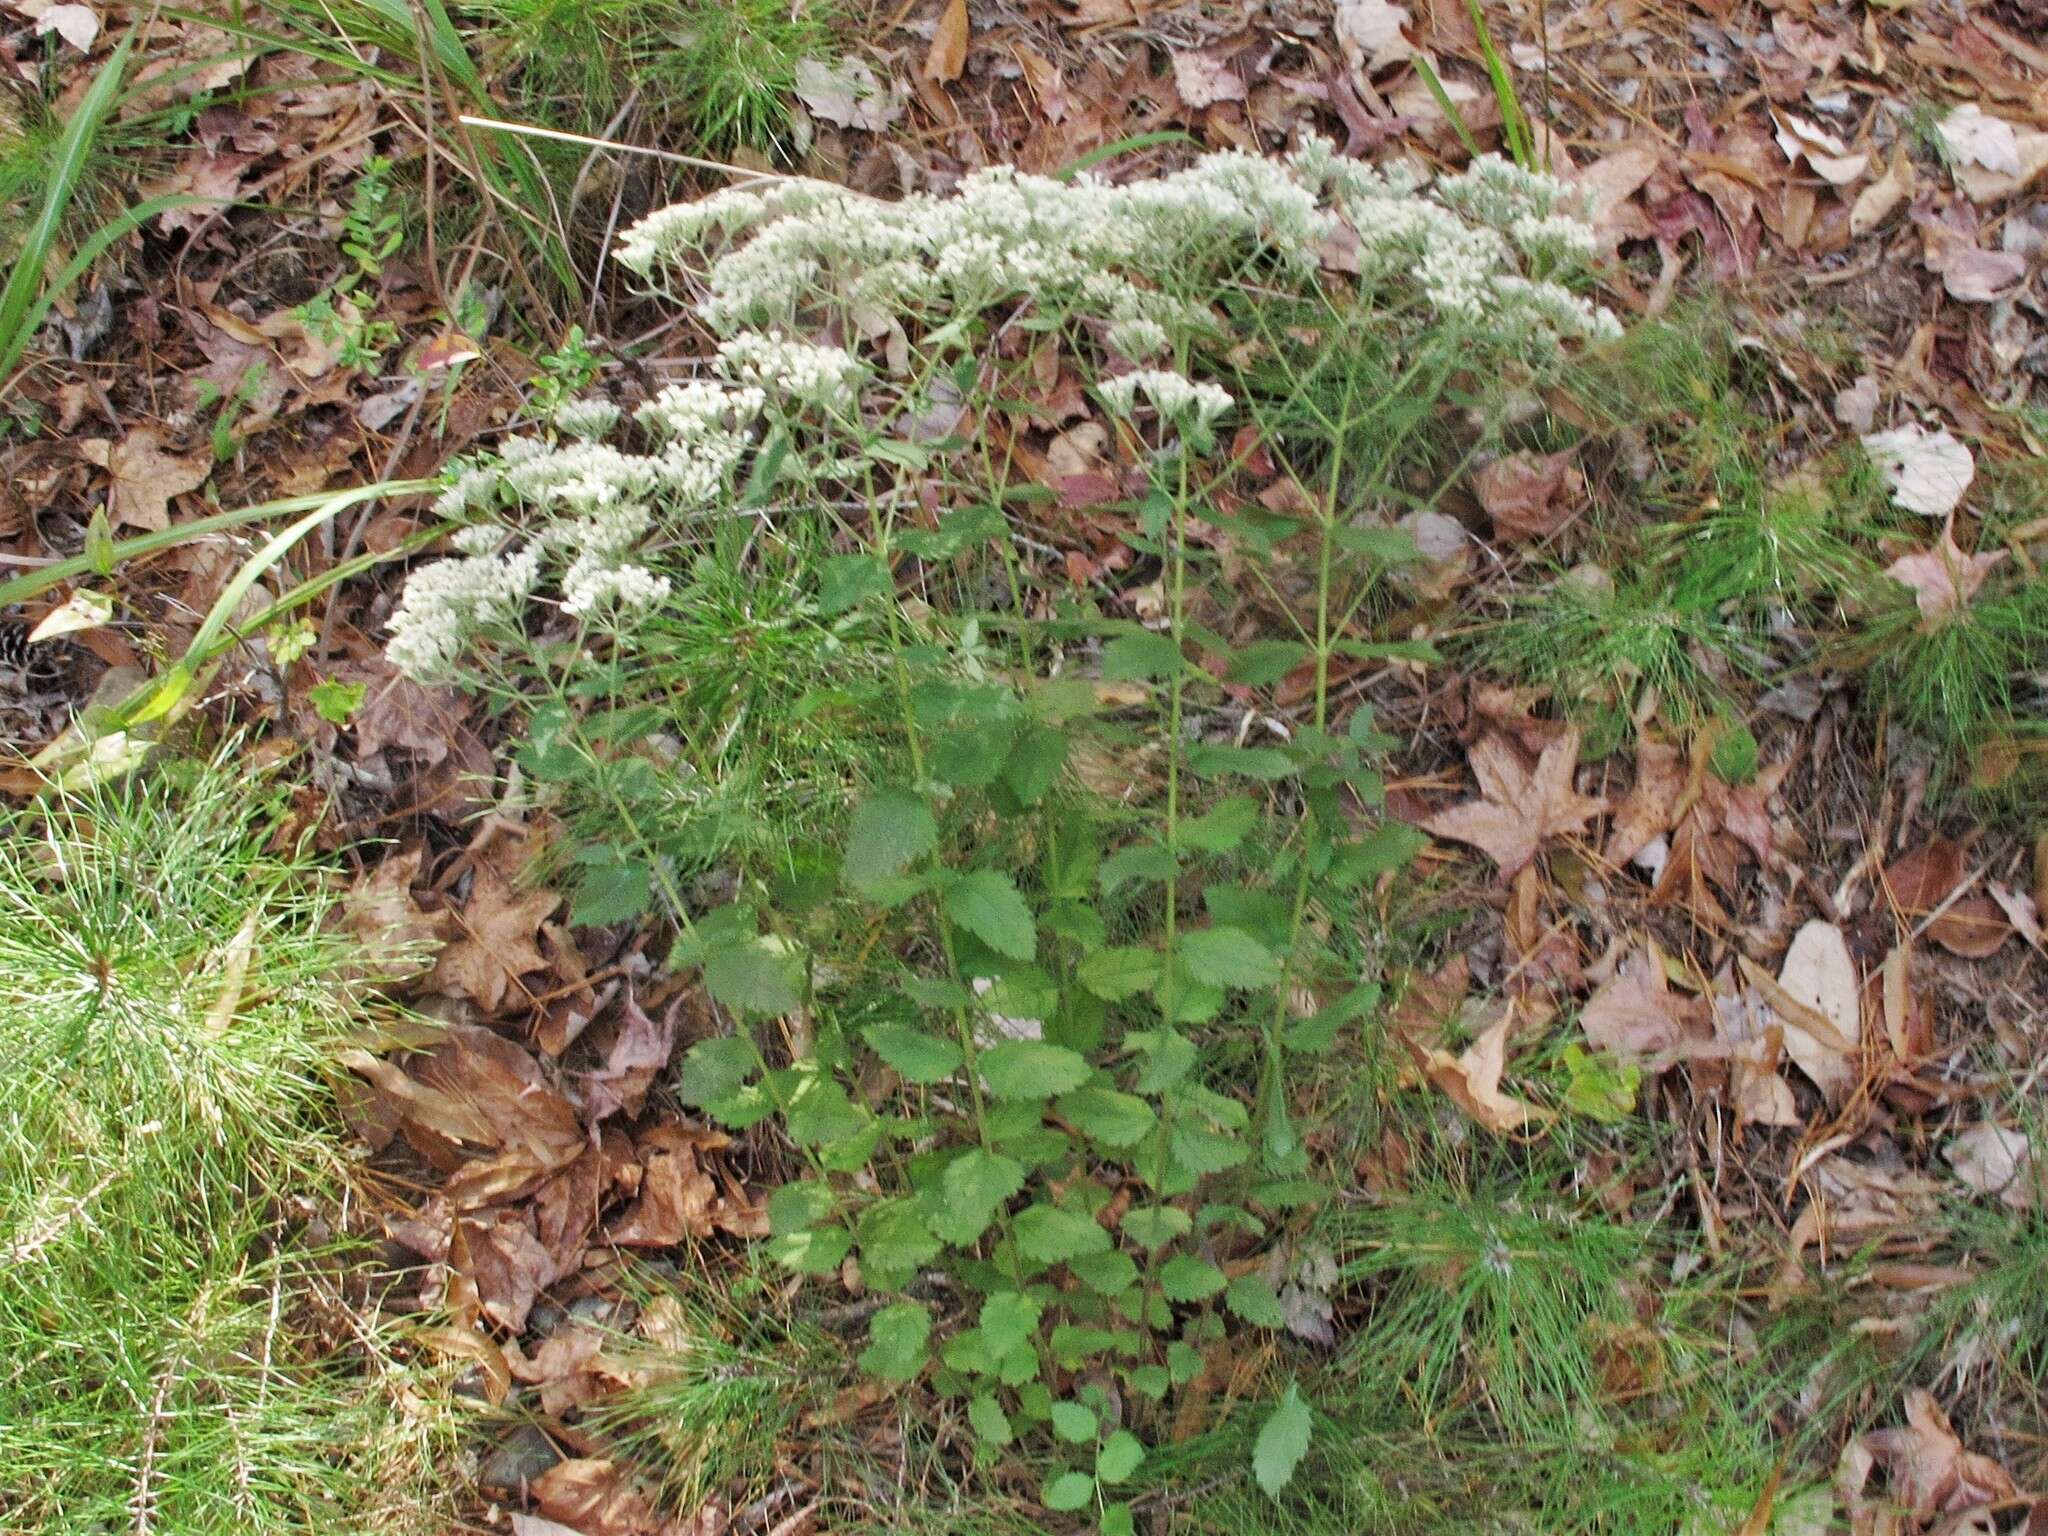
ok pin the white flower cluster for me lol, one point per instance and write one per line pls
(1175, 396)
(799, 371)
(1493, 251)
(1493, 248)
(448, 600)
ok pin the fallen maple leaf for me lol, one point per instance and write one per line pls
(146, 474)
(496, 946)
(1519, 809)
(1942, 577)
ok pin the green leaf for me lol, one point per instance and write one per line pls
(1387, 847)
(1120, 1456)
(615, 887)
(1118, 972)
(897, 1336)
(1252, 1299)
(915, 1056)
(1032, 1069)
(1283, 1441)
(1224, 956)
(1154, 1226)
(894, 1241)
(1074, 1423)
(1212, 760)
(816, 1252)
(1106, 1273)
(1140, 861)
(845, 581)
(1049, 1235)
(334, 701)
(1169, 1057)
(1069, 1491)
(989, 1420)
(1105, 1115)
(759, 975)
(715, 1069)
(1140, 657)
(1116, 1520)
(1224, 827)
(799, 1204)
(987, 904)
(976, 1184)
(1035, 763)
(1266, 661)
(818, 1110)
(972, 755)
(891, 830)
(1008, 1319)
(1187, 1278)
(1393, 546)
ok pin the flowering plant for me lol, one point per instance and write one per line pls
(1075, 913)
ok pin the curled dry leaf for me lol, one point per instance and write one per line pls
(1832, 160)
(1928, 472)
(1929, 1471)
(1878, 201)
(1529, 495)
(1519, 809)
(397, 938)
(1472, 1078)
(948, 53)
(1371, 34)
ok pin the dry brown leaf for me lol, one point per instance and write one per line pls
(1645, 813)
(496, 943)
(1529, 495)
(397, 939)
(2020, 909)
(1878, 201)
(146, 475)
(1753, 1042)
(1638, 1017)
(599, 1498)
(1205, 78)
(1920, 881)
(679, 1198)
(1929, 1471)
(1942, 577)
(948, 53)
(1817, 997)
(1519, 809)
(1472, 1078)
(1371, 34)
(498, 1253)
(1994, 1161)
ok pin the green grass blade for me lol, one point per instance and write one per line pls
(18, 298)
(41, 580)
